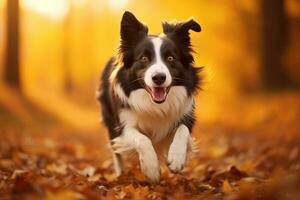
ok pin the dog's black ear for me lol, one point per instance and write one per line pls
(179, 33)
(181, 28)
(132, 29)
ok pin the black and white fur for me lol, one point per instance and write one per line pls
(147, 95)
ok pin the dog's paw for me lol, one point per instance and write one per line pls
(176, 158)
(120, 145)
(150, 166)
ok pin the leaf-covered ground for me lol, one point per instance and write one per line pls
(249, 153)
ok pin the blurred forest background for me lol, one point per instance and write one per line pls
(54, 50)
(52, 53)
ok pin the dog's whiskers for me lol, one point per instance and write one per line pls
(132, 82)
(181, 79)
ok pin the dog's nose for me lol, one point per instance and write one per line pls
(159, 78)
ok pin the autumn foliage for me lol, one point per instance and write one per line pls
(232, 163)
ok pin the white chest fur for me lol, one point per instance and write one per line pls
(155, 120)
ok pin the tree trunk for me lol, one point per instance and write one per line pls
(274, 40)
(12, 67)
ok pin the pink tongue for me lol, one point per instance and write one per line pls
(159, 94)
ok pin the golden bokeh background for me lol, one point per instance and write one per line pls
(64, 45)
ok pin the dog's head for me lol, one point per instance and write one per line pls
(156, 63)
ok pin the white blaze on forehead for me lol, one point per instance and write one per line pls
(158, 65)
(157, 42)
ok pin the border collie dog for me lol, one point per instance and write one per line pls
(147, 95)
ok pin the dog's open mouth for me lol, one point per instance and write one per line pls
(158, 94)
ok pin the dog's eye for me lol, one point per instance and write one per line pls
(170, 58)
(144, 59)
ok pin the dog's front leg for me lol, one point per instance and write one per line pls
(131, 138)
(178, 149)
